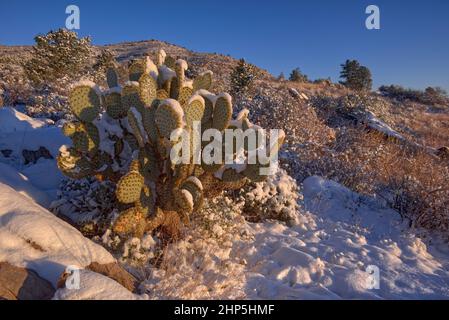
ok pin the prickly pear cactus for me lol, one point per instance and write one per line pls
(123, 134)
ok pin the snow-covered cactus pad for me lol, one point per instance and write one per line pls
(123, 136)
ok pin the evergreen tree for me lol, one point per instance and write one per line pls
(56, 55)
(103, 61)
(297, 76)
(356, 76)
(242, 78)
(281, 77)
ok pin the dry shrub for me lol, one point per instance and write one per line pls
(417, 185)
(410, 180)
(274, 108)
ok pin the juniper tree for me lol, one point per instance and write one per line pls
(242, 78)
(57, 55)
(356, 76)
(104, 61)
(297, 76)
(435, 96)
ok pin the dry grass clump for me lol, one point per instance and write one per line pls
(409, 180)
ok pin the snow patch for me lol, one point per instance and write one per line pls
(33, 238)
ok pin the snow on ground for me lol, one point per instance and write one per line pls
(20, 183)
(378, 125)
(325, 256)
(336, 235)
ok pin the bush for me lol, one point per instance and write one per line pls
(356, 76)
(242, 78)
(86, 204)
(297, 76)
(326, 81)
(57, 56)
(432, 95)
(275, 199)
(411, 181)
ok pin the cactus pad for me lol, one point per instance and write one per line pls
(184, 200)
(74, 167)
(208, 110)
(162, 94)
(195, 188)
(129, 187)
(149, 163)
(160, 57)
(168, 117)
(85, 102)
(113, 105)
(69, 128)
(147, 89)
(81, 142)
(136, 69)
(149, 123)
(130, 222)
(194, 110)
(203, 81)
(252, 172)
(184, 95)
(112, 77)
(170, 62)
(222, 112)
(135, 125)
(131, 97)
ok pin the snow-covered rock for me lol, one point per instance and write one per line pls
(33, 238)
(19, 182)
(18, 133)
(94, 286)
(22, 284)
(378, 125)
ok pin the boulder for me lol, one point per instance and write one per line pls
(23, 284)
(115, 272)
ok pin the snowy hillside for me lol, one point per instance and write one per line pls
(323, 251)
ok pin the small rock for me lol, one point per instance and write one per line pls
(31, 156)
(6, 152)
(115, 272)
(23, 284)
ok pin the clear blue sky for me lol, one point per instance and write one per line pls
(412, 47)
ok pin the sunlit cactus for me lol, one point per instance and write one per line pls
(123, 134)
